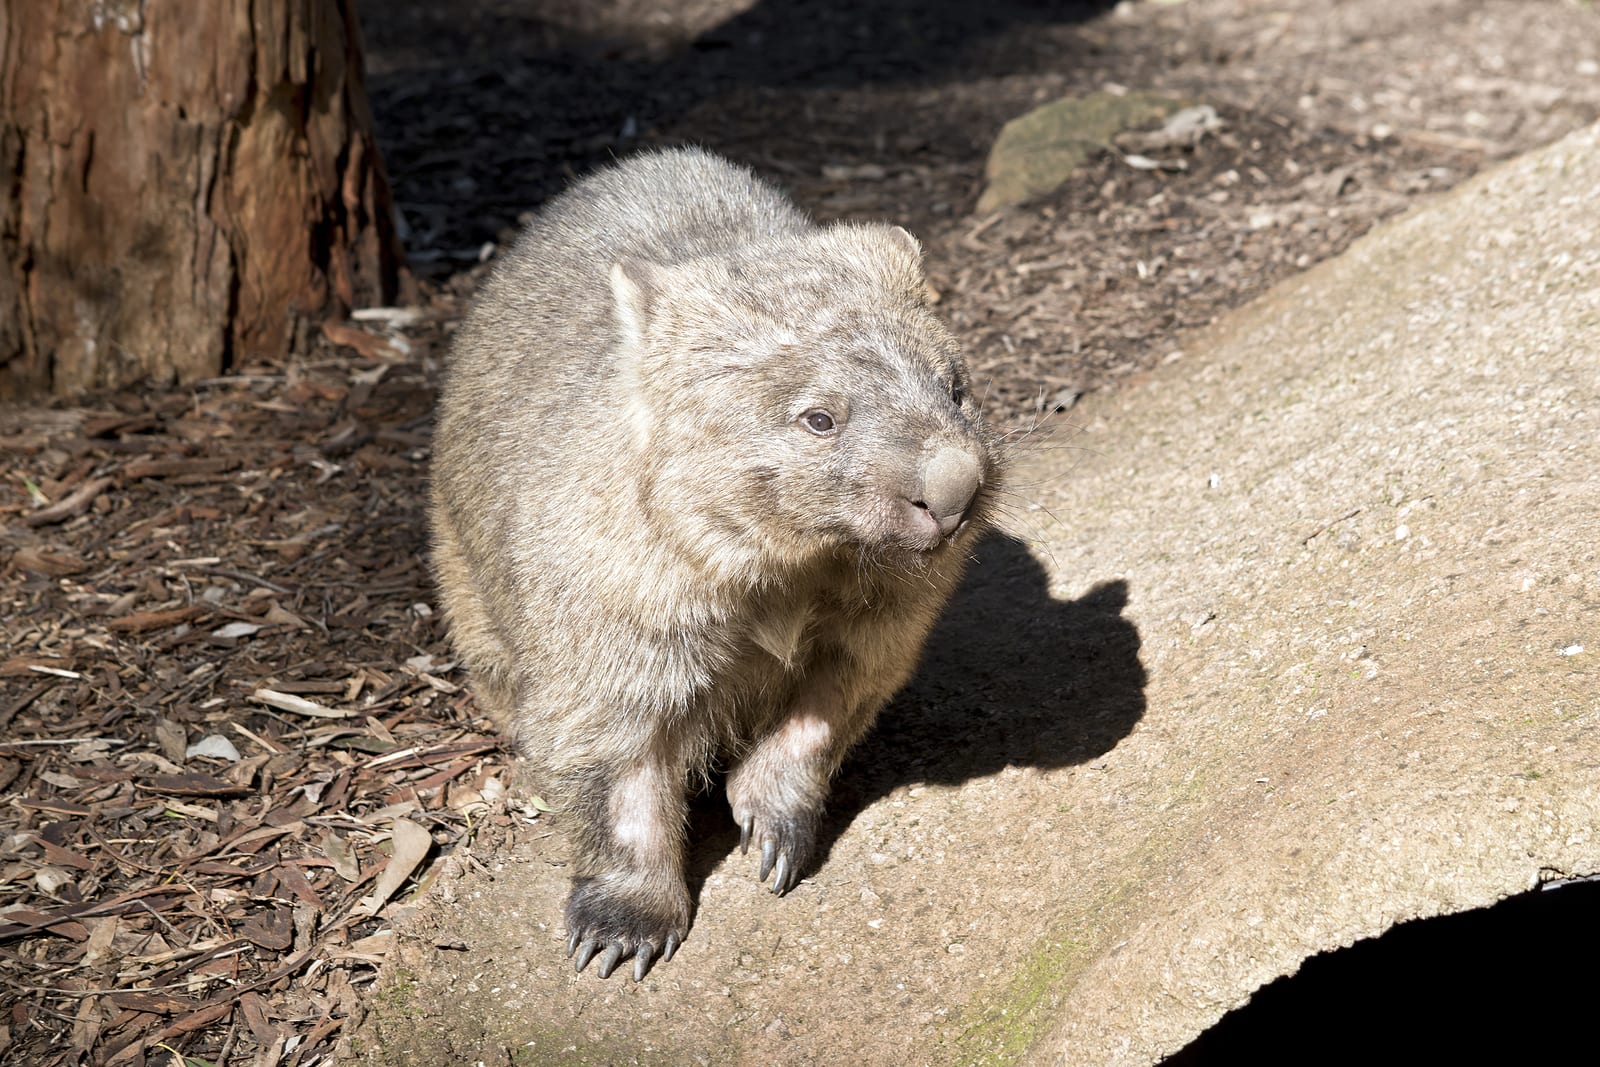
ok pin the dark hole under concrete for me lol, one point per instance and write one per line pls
(1515, 983)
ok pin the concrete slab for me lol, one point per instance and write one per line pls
(1295, 640)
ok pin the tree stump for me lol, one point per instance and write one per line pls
(183, 187)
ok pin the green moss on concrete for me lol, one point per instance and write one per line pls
(1008, 1024)
(398, 993)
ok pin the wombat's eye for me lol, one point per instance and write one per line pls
(818, 422)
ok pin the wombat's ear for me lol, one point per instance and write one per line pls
(635, 287)
(915, 282)
(904, 235)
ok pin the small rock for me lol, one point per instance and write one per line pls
(1138, 162)
(1038, 151)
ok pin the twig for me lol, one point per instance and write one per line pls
(69, 506)
(224, 572)
(1329, 525)
(60, 741)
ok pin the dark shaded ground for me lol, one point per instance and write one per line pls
(1336, 115)
(165, 558)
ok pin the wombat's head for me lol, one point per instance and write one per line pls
(798, 397)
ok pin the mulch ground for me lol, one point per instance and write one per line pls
(232, 737)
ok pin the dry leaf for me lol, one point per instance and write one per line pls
(280, 616)
(237, 629)
(273, 928)
(214, 746)
(411, 845)
(102, 933)
(299, 705)
(368, 345)
(173, 740)
(337, 849)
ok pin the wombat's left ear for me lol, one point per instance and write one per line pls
(635, 288)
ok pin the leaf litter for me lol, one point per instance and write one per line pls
(229, 745)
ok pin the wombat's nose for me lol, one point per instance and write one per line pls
(950, 480)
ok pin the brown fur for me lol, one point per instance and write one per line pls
(653, 556)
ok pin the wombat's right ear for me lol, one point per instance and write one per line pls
(911, 244)
(635, 287)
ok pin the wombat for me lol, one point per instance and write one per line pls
(704, 474)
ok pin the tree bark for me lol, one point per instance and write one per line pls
(184, 185)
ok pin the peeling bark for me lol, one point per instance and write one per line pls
(183, 187)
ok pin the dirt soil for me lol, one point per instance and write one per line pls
(243, 558)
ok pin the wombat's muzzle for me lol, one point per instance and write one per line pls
(948, 480)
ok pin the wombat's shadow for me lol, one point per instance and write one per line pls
(1011, 677)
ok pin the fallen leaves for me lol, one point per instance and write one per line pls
(233, 747)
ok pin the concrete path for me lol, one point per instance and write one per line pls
(1297, 639)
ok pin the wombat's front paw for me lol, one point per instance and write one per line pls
(623, 923)
(787, 845)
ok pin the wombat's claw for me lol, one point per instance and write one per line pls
(585, 953)
(745, 828)
(769, 853)
(608, 927)
(608, 962)
(780, 865)
(780, 876)
(643, 957)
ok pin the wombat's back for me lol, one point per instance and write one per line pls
(662, 206)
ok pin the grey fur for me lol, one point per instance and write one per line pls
(704, 475)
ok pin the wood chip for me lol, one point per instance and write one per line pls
(167, 468)
(144, 621)
(193, 785)
(56, 564)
